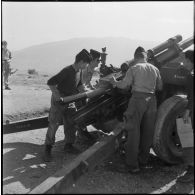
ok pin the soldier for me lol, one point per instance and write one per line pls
(124, 68)
(189, 113)
(87, 75)
(89, 71)
(63, 84)
(6, 64)
(145, 79)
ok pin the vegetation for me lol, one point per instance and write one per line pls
(32, 72)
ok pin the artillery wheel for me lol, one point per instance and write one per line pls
(166, 142)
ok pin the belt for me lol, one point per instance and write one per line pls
(144, 93)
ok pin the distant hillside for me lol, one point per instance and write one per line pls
(51, 57)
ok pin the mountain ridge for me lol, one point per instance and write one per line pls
(53, 56)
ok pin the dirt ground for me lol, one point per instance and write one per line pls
(29, 97)
(24, 169)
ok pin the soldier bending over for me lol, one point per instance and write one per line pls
(63, 84)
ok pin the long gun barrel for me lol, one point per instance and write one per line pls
(169, 50)
(165, 45)
(159, 55)
(186, 43)
(84, 95)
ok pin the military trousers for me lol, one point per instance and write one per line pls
(188, 153)
(6, 73)
(140, 119)
(57, 115)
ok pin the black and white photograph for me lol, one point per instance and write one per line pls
(97, 97)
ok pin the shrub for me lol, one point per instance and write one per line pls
(32, 71)
(45, 75)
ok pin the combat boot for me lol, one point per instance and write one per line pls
(47, 153)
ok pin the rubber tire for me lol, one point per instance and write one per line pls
(165, 127)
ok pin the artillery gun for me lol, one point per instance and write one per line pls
(106, 105)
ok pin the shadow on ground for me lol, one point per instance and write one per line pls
(159, 178)
(24, 169)
(23, 163)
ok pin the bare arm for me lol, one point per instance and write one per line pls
(159, 83)
(126, 82)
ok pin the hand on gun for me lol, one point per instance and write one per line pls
(186, 116)
(56, 93)
(57, 97)
(111, 80)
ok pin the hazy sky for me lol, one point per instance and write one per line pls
(32, 23)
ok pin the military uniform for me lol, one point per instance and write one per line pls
(144, 78)
(63, 84)
(6, 55)
(86, 77)
(87, 73)
(67, 82)
(190, 95)
(188, 153)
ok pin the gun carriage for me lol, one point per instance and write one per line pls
(106, 105)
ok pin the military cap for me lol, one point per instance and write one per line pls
(124, 66)
(84, 55)
(95, 54)
(84, 50)
(140, 50)
(88, 54)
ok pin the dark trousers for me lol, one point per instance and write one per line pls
(56, 116)
(188, 153)
(192, 116)
(140, 120)
(6, 72)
